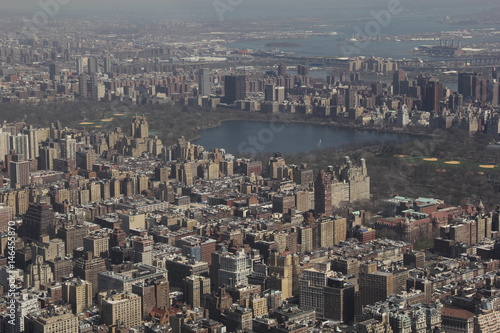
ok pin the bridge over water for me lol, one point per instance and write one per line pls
(456, 62)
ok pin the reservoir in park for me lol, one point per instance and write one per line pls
(243, 136)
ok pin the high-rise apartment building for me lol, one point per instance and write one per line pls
(312, 284)
(37, 221)
(270, 93)
(302, 70)
(195, 287)
(121, 308)
(68, 148)
(234, 269)
(352, 183)
(53, 71)
(197, 247)
(33, 139)
(473, 85)
(399, 78)
(139, 127)
(4, 145)
(6, 215)
(107, 65)
(143, 250)
(82, 85)
(339, 300)
(204, 82)
(375, 285)
(25, 304)
(155, 292)
(73, 236)
(323, 194)
(282, 69)
(98, 245)
(283, 273)
(432, 95)
(78, 293)
(79, 65)
(93, 65)
(20, 143)
(19, 174)
(87, 268)
(234, 88)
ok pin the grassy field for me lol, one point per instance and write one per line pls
(447, 163)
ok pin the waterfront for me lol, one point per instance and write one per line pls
(414, 19)
(237, 137)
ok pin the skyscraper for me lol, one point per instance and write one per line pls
(195, 287)
(94, 85)
(107, 65)
(280, 94)
(85, 159)
(78, 293)
(53, 71)
(93, 65)
(154, 292)
(465, 84)
(234, 269)
(82, 85)
(375, 285)
(32, 134)
(323, 194)
(47, 156)
(139, 127)
(398, 77)
(6, 215)
(79, 65)
(494, 93)
(98, 245)
(20, 143)
(37, 221)
(282, 69)
(270, 92)
(283, 273)
(161, 174)
(455, 102)
(73, 237)
(351, 98)
(302, 70)
(143, 250)
(87, 268)
(339, 300)
(312, 283)
(4, 145)
(19, 174)
(479, 87)
(234, 88)
(339, 230)
(204, 82)
(26, 303)
(433, 93)
(68, 148)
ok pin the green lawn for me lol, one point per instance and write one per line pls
(475, 166)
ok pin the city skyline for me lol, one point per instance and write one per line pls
(249, 166)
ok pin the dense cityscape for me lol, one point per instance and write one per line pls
(115, 217)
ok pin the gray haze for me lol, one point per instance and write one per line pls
(204, 9)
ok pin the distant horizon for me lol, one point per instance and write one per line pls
(205, 10)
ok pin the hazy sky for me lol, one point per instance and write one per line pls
(247, 8)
